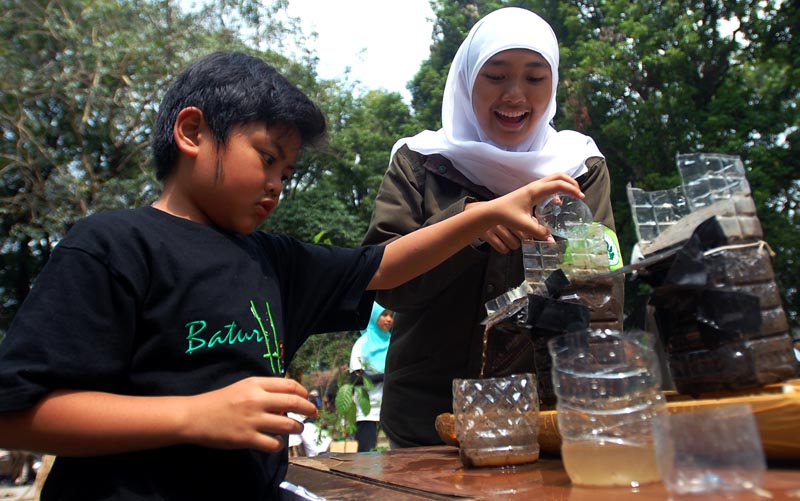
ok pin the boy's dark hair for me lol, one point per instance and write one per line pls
(231, 89)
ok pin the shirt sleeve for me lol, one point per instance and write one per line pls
(596, 185)
(74, 330)
(323, 287)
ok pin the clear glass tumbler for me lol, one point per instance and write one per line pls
(497, 420)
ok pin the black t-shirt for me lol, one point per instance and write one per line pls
(138, 302)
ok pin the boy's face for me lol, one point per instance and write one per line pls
(236, 186)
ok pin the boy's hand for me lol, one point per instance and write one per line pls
(499, 237)
(248, 414)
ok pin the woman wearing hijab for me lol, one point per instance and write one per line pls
(496, 135)
(368, 358)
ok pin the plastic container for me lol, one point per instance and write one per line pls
(565, 216)
(608, 389)
(717, 449)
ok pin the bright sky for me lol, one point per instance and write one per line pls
(382, 41)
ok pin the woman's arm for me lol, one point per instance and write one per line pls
(596, 185)
(246, 414)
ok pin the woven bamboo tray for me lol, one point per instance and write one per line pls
(776, 409)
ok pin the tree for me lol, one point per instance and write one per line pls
(452, 23)
(658, 79)
(81, 92)
(76, 104)
(331, 199)
(346, 174)
(376, 120)
(82, 82)
(649, 80)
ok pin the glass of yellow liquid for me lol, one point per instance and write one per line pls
(608, 389)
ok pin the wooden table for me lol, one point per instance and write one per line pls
(437, 473)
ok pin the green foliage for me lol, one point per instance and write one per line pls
(325, 353)
(336, 186)
(660, 79)
(649, 80)
(322, 238)
(317, 209)
(454, 18)
(452, 23)
(350, 395)
(82, 82)
(345, 406)
(334, 189)
(77, 102)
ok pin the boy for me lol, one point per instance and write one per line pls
(149, 355)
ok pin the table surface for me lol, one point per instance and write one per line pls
(437, 473)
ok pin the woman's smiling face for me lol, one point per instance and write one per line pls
(511, 94)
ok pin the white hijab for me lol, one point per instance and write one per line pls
(502, 170)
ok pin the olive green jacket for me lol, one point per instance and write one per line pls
(437, 334)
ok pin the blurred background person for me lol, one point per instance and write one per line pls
(368, 359)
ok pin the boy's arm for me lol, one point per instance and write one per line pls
(425, 248)
(246, 414)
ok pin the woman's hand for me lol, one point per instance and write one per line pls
(504, 237)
